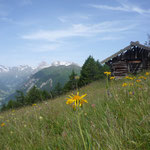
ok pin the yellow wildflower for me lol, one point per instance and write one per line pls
(127, 77)
(142, 77)
(130, 78)
(138, 80)
(33, 104)
(124, 84)
(147, 73)
(76, 100)
(2, 124)
(131, 93)
(107, 73)
(112, 78)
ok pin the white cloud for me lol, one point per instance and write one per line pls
(45, 48)
(73, 17)
(123, 7)
(79, 30)
(110, 38)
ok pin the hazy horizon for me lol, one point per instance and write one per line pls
(33, 31)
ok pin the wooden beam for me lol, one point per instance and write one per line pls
(135, 61)
(135, 44)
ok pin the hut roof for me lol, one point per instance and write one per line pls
(126, 48)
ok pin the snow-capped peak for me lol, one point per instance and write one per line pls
(26, 68)
(3, 68)
(59, 63)
(23, 67)
(43, 65)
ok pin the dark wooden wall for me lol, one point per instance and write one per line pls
(130, 61)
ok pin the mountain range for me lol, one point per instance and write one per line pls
(24, 77)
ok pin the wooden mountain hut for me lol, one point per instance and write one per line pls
(130, 60)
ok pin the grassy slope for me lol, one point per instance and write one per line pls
(118, 121)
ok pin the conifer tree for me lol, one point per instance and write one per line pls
(12, 104)
(20, 98)
(89, 72)
(57, 90)
(33, 96)
(45, 95)
(72, 83)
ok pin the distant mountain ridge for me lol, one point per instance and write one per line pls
(4, 69)
(24, 77)
(42, 65)
(47, 78)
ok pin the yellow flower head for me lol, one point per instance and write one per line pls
(138, 80)
(130, 93)
(107, 73)
(130, 78)
(33, 104)
(2, 124)
(127, 77)
(76, 100)
(142, 77)
(147, 73)
(124, 84)
(112, 78)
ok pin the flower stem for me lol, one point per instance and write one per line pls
(81, 132)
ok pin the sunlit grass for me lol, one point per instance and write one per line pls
(116, 120)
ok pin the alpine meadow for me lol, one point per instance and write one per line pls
(74, 74)
(103, 114)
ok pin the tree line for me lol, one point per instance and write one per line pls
(91, 71)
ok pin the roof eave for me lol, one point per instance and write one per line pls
(126, 48)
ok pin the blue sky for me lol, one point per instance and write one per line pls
(32, 31)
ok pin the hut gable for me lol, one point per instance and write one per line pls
(131, 59)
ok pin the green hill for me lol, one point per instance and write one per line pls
(117, 118)
(48, 78)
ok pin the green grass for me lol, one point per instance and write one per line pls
(118, 121)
